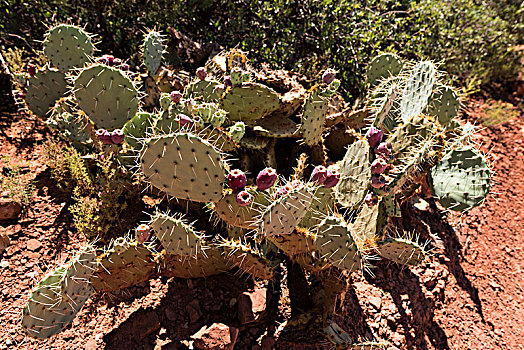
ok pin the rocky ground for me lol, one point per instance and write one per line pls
(467, 296)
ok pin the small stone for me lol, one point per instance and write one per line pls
(251, 305)
(4, 240)
(218, 336)
(375, 301)
(9, 209)
(193, 309)
(33, 244)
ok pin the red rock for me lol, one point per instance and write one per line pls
(4, 239)
(218, 336)
(251, 305)
(9, 209)
(33, 244)
(193, 309)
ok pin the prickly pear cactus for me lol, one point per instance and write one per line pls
(276, 126)
(417, 90)
(233, 214)
(152, 51)
(106, 95)
(461, 180)
(444, 104)
(402, 251)
(355, 175)
(68, 46)
(44, 89)
(250, 101)
(213, 262)
(248, 258)
(184, 166)
(206, 90)
(313, 117)
(382, 67)
(176, 236)
(137, 128)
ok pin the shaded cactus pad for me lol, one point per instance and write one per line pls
(44, 89)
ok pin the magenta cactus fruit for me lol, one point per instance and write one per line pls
(284, 190)
(328, 76)
(227, 81)
(319, 174)
(244, 198)
(176, 96)
(117, 136)
(378, 181)
(378, 166)
(374, 136)
(184, 120)
(117, 62)
(384, 148)
(110, 59)
(236, 180)
(104, 136)
(124, 67)
(201, 73)
(266, 178)
(103, 60)
(142, 233)
(371, 199)
(31, 69)
(332, 178)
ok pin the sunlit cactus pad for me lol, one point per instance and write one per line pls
(68, 46)
(402, 251)
(250, 101)
(176, 236)
(184, 166)
(382, 67)
(44, 89)
(106, 95)
(355, 174)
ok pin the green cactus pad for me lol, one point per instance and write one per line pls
(44, 89)
(417, 90)
(314, 117)
(276, 126)
(250, 101)
(323, 201)
(124, 265)
(284, 214)
(363, 229)
(253, 142)
(355, 175)
(184, 166)
(106, 95)
(233, 214)
(176, 236)
(68, 47)
(137, 128)
(334, 243)
(382, 67)
(206, 90)
(298, 242)
(402, 251)
(391, 206)
(444, 104)
(220, 138)
(248, 260)
(212, 262)
(152, 51)
(70, 127)
(461, 180)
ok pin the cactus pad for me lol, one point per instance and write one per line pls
(124, 265)
(334, 243)
(283, 215)
(382, 67)
(44, 89)
(213, 262)
(206, 90)
(314, 117)
(298, 242)
(233, 214)
(152, 50)
(355, 174)
(176, 236)
(276, 125)
(106, 95)
(250, 101)
(248, 260)
(401, 251)
(68, 47)
(323, 201)
(444, 104)
(417, 90)
(363, 229)
(137, 128)
(253, 142)
(461, 180)
(184, 166)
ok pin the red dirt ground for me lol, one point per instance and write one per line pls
(467, 296)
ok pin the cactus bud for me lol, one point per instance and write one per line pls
(184, 120)
(378, 181)
(176, 96)
(236, 180)
(31, 69)
(142, 233)
(332, 178)
(227, 81)
(383, 148)
(165, 101)
(266, 178)
(201, 73)
(124, 67)
(374, 136)
(328, 76)
(237, 131)
(319, 175)
(371, 199)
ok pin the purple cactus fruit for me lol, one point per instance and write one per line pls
(319, 174)
(244, 198)
(103, 60)
(124, 67)
(371, 199)
(328, 76)
(201, 73)
(383, 148)
(176, 96)
(227, 81)
(378, 181)
(31, 69)
(378, 166)
(104, 136)
(236, 180)
(117, 61)
(184, 120)
(117, 136)
(374, 136)
(296, 184)
(332, 178)
(142, 233)
(266, 178)
(110, 60)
